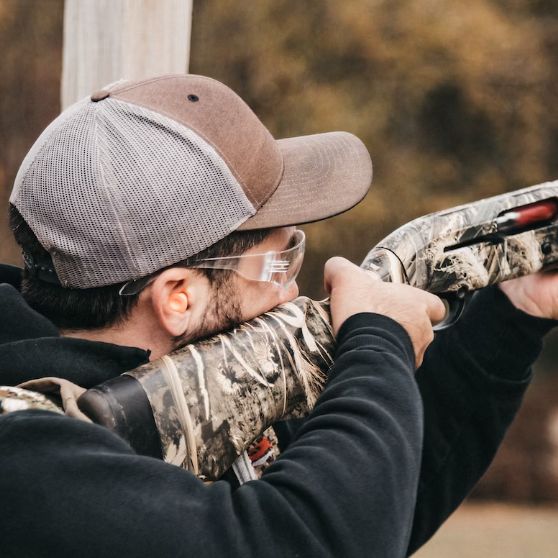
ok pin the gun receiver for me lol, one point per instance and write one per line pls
(457, 251)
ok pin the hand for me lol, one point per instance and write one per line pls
(535, 294)
(353, 290)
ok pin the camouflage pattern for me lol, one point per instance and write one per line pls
(14, 399)
(425, 258)
(237, 384)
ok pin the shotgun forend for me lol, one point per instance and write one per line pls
(202, 406)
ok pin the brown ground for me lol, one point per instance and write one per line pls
(496, 531)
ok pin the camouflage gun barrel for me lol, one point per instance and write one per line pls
(201, 407)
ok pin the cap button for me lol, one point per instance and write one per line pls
(100, 95)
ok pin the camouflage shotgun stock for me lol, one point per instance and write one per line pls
(201, 407)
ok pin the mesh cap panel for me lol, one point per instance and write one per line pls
(114, 199)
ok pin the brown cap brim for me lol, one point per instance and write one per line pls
(324, 175)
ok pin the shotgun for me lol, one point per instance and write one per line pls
(200, 407)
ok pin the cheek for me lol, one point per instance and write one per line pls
(289, 294)
(259, 299)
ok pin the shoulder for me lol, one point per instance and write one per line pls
(38, 433)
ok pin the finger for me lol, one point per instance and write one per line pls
(372, 275)
(436, 309)
(332, 269)
(419, 357)
(424, 345)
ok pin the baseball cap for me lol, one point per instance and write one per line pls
(144, 174)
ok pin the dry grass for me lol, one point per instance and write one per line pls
(496, 531)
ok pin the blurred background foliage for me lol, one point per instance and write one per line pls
(454, 100)
(451, 98)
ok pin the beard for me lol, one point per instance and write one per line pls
(223, 314)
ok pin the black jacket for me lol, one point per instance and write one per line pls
(345, 486)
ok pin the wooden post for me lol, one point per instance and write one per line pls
(109, 40)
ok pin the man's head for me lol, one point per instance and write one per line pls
(147, 175)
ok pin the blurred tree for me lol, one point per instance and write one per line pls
(449, 97)
(31, 46)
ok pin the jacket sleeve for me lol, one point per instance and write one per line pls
(345, 486)
(472, 383)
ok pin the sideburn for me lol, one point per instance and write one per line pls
(223, 312)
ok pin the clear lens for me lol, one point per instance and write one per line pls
(280, 268)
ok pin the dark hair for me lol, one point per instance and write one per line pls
(104, 306)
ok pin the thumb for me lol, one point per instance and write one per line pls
(333, 268)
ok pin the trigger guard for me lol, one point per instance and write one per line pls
(455, 305)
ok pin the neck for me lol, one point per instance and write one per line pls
(140, 335)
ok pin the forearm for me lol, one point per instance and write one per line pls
(345, 487)
(472, 383)
(379, 464)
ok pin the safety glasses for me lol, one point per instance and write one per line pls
(280, 268)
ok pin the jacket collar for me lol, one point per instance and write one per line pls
(31, 346)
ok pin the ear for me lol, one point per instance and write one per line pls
(174, 294)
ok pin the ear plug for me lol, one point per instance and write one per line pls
(178, 302)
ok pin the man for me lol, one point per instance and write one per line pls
(120, 207)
